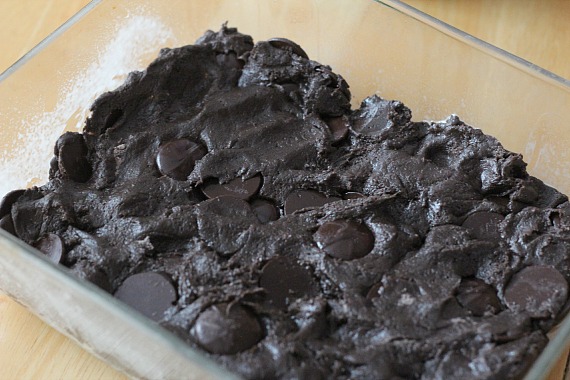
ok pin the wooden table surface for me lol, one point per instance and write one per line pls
(537, 31)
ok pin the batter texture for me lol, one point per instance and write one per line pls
(231, 187)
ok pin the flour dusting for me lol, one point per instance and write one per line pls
(136, 42)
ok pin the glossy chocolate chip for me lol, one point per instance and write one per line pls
(7, 224)
(176, 158)
(300, 199)
(344, 239)
(284, 281)
(477, 297)
(265, 210)
(484, 225)
(338, 127)
(52, 246)
(72, 157)
(352, 195)
(541, 291)
(8, 200)
(227, 329)
(285, 44)
(237, 188)
(151, 293)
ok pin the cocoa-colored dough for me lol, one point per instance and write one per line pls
(446, 218)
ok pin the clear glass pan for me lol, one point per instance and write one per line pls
(383, 47)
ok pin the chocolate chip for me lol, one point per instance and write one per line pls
(300, 199)
(345, 239)
(477, 297)
(265, 210)
(176, 158)
(352, 195)
(72, 157)
(284, 281)
(150, 293)
(541, 291)
(484, 225)
(285, 44)
(227, 329)
(7, 224)
(338, 127)
(52, 246)
(235, 188)
(8, 200)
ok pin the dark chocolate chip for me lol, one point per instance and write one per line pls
(151, 293)
(300, 199)
(352, 195)
(345, 239)
(478, 297)
(285, 44)
(265, 210)
(52, 246)
(541, 291)
(176, 158)
(338, 127)
(8, 200)
(284, 281)
(7, 224)
(72, 157)
(227, 329)
(235, 188)
(484, 225)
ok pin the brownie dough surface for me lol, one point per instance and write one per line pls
(295, 238)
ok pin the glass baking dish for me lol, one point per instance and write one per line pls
(383, 47)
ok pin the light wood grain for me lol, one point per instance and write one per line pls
(29, 349)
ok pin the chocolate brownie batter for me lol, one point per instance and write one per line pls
(230, 193)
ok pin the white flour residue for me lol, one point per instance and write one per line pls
(135, 43)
